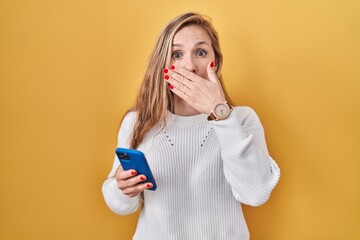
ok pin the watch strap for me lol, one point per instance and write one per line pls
(212, 116)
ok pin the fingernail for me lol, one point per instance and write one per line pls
(212, 64)
(172, 67)
(142, 178)
(148, 185)
(133, 172)
(166, 77)
(165, 70)
(171, 86)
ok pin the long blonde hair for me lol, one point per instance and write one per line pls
(155, 99)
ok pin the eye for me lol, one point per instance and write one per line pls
(176, 55)
(201, 53)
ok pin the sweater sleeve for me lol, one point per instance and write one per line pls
(114, 198)
(248, 168)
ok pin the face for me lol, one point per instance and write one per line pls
(192, 50)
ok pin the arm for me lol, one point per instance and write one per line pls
(114, 198)
(250, 171)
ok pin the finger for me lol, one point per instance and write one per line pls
(211, 71)
(177, 84)
(136, 190)
(183, 74)
(179, 93)
(177, 80)
(123, 175)
(130, 182)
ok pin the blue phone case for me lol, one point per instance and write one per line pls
(134, 159)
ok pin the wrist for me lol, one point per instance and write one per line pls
(220, 111)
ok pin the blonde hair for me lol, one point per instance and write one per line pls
(155, 99)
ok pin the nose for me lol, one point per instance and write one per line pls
(190, 65)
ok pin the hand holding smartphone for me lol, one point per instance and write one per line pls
(134, 159)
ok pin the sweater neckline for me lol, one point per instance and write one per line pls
(186, 120)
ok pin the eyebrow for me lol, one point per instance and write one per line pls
(197, 44)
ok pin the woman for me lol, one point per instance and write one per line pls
(206, 156)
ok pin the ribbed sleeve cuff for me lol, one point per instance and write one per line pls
(116, 200)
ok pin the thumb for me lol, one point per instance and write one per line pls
(211, 71)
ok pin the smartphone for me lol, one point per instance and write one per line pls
(134, 159)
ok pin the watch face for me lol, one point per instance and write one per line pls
(221, 111)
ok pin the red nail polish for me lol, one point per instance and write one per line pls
(142, 178)
(212, 64)
(172, 67)
(171, 87)
(166, 77)
(133, 172)
(148, 185)
(165, 70)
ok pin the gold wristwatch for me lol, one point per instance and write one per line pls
(220, 112)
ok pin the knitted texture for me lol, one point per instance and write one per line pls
(203, 170)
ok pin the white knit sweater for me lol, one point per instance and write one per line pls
(203, 171)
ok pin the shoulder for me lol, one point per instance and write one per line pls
(247, 116)
(129, 119)
(126, 128)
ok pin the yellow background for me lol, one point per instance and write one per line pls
(70, 69)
